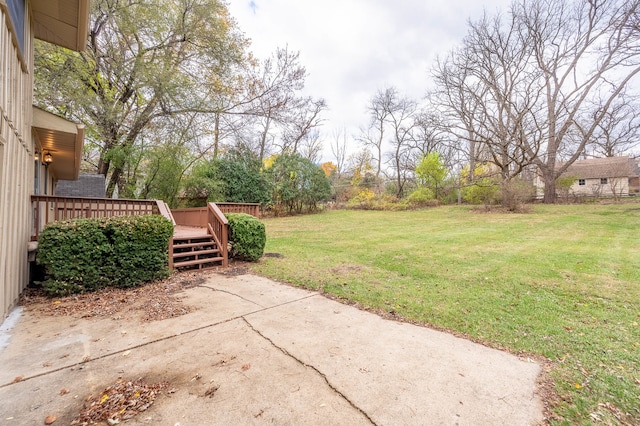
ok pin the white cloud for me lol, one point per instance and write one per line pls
(352, 48)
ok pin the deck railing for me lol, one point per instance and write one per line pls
(51, 208)
(218, 227)
(249, 208)
(196, 216)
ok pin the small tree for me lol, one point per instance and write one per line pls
(243, 180)
(484, 187)
(297, 184)
(432, 173)
(564, 184)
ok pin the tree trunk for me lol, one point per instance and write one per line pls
(549, 188)
(216, 134)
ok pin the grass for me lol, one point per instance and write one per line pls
(562, 282)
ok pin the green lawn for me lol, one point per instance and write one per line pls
(562, 282)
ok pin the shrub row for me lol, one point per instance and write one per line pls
(87, 254)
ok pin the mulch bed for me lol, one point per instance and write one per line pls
(151, 302)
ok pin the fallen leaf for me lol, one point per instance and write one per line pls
(18, 379)
(64, 391)
(47, 364)
(245, 367)
(578, 385)
(50, 419)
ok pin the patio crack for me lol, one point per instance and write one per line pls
(233, 294)
(304, 364)
(151, 342)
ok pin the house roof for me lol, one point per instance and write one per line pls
(87, 185)
(61, 22)
(595, 168)
(61, 138)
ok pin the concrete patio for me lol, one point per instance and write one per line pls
(276, 355)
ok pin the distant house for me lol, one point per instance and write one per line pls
(603, 177)
(36, 147)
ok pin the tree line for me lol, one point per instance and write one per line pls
(172, 96)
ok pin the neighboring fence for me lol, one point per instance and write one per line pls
(50, 208)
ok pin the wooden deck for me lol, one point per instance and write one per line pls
(181, 231)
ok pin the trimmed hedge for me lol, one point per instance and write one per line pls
(247, 236)
(87, 254)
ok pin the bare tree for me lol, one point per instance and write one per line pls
(302, 118)
(619, 130)
(279, 79)
(519, 91)
(584, 49)
(310, 146)
(401, 116)
(373, 136)
(494, 93)
(339, 149)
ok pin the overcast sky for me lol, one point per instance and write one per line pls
(352, 48)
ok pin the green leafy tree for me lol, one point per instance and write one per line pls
(145, 61)
(203, 184)
(235, 177)
(432, 173)
(243, 181)
(297, 184)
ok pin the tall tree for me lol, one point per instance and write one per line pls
(618, 132)
(145, 60)
(583, 50)
(523, 89)
(401, 115)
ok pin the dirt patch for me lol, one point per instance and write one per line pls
(235, 269)
(346, 269)
(276, 255)
(150, 302)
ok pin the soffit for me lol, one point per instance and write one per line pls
(61, 138)
(61, 22)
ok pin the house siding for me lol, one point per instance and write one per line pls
(618, 187)
(16, 160)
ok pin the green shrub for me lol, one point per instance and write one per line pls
(139, 248)
(420, 197)
(485, 191)
(74, 254)
(87, 254)
(247, 236)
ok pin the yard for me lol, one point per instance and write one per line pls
(561, 282)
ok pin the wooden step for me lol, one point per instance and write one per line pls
(198, 251)
(198, 244)
(194, 253)
(198, 262)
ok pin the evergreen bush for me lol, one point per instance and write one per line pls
(247, 236)
(87, 254)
